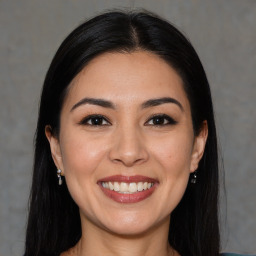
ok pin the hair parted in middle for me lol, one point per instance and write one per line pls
(54, 221)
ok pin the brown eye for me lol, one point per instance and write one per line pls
(160, 120)
(95, 120)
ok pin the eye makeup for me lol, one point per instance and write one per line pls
(160, 120)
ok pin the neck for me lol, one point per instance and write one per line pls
(97, 241)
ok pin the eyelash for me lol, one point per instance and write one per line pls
(163, 117)
(167, 120)
(86, 120)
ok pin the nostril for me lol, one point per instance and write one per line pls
(128, 161)
(128, 148)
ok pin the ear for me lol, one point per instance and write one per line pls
(55, 148)
(199, 146)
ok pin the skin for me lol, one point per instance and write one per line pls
(127, 142)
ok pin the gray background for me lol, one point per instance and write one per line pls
(223, 33)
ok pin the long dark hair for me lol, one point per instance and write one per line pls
(54, 221)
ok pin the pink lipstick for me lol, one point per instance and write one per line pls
(128, 189)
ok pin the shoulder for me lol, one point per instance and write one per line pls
(67, 253)
(70, 252)
(235, 254)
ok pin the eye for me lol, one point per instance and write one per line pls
(95, 120)
(161, 120)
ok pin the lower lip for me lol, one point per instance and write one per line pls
(128, 198)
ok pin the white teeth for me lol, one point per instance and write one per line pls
(133, 187)
(124, 187)
(140, 186)
(111, 186)
(116, 186)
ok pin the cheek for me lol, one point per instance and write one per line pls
(175, 165)
(81, 155)
(174, 154)
(81, 158)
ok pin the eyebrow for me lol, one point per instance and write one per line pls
(159, 101)
(108, 104)
(93, 101)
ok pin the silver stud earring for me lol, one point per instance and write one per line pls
(59, 176)
(193, 179)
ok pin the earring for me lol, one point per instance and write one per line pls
(59, 176)
(193, 179)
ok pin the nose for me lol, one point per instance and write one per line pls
(129, 147)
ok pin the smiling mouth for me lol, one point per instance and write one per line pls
(128, 189)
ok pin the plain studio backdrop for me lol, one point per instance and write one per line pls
(224, 35)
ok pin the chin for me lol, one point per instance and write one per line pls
(134, 225)
(129, 230)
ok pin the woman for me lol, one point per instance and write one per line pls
(126, 156)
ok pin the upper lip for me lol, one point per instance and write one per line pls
(128, 179)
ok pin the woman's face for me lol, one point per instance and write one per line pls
(126, 145)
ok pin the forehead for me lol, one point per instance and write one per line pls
(127, 77)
